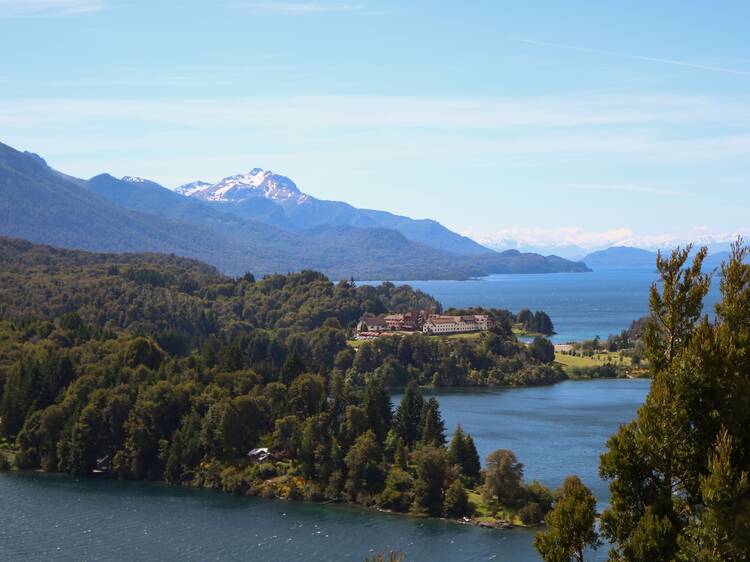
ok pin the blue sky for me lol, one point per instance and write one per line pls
(543, 123)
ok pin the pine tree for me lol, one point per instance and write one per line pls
(570, 525)
(377, 403)
(457, 453)
(668, 467)
(408, 415)
(472, 466)
(431, 425)
(722, 529)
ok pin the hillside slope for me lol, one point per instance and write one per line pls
(276, 199)
(42, 205)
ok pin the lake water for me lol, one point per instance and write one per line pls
(554, 430)
(581, 305)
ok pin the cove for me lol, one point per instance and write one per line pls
(555, 430)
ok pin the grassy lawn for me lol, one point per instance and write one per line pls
(519, 331)
(484, 513)
(466, 336)
(597, 360)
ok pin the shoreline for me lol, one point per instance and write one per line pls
(497, 525)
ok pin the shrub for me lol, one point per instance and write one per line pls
(531, 514)
(457, 501)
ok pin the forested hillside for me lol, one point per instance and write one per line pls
(159, 367)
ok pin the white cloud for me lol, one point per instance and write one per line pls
(21, 8)
(521, 237)
(476, 130)
(302, 8)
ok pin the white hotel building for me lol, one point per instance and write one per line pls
(442, 324)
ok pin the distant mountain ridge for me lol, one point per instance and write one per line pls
(275, 199)
(621, 256)
(134, 214)
(631, 257)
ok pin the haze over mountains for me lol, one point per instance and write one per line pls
(627, 257)
(259, 222)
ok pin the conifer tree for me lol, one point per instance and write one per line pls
(431, 425)
(670, 469)
(472, 466)
(457, 449)
(377, 404)
(409, 414)
(570, 525)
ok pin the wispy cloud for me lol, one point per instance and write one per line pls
(628, 188)
(26, 8)
(636, 57)
(535, 237)
(303, 8)
(584, 128)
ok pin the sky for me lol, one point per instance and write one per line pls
(526, 123)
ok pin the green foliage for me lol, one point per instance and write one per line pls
(543, 350)
(570, 525)
(431, 425)
(431, 467)
(676, 472)
(503, 478)
(409, 414)
(156, 367)
(363, 462)
(457, 501)
(398, 492)
(463, 453)
(723, 530)
(492, 358)
(535, 322)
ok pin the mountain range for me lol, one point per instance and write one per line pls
(628, 257)
(259, 222)
(275, 199)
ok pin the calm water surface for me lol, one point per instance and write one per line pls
(555, 431)
(581, 305)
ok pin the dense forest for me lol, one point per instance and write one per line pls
(158, 367)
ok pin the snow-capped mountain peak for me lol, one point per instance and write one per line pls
(255, 183)
(191, 188)
(134, 179)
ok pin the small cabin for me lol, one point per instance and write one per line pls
(261, 454)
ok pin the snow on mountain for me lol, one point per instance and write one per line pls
(134, 179)
(189, 189)
(255, 183)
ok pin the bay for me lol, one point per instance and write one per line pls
(581, 305)
(555, 430)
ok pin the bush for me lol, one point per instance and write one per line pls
(397, 494)
(531, 514)
(457, 501)
(267, 471)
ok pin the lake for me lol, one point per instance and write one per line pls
(555, 430)
(581, 305)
